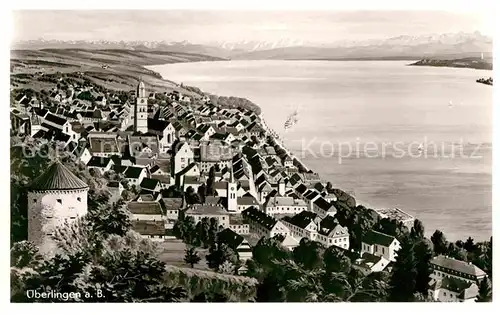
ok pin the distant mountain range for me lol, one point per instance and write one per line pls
(445, 46)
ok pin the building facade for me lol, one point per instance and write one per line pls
(54, 198)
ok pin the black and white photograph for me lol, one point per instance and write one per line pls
(250, 156)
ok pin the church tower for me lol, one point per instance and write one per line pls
(141, 109)
(232, 195)
(55, 197)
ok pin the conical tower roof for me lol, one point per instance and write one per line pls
(57, 177)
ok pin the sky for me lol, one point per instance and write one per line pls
(232, 26)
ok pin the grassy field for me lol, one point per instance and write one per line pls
(172, 252)
(113, 69)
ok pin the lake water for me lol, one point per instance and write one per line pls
(361, 124)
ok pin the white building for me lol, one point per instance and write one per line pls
(55, 197)
(380, 244)
(303, 225)
(264, 225)
(453, 290)
(447, 267)
(284, 205)
(182, 157)
(145, 211)
(199, 212)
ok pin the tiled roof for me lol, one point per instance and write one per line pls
(247, 201)
(303, 219)
(147, 207)
(55, 119)
(465, 290)
(157, 125)
(231, 238)
(377, 238)
(301, 189)
(100, 162)
(457, 265)
(172, 203)
(114, 184)
(149, 183)
(149, 227)
(162, 178)
(323, 204)
(186, 169)
(206, 209)
(133, 172)
(259, 217)
(57, 177)
(329, 224)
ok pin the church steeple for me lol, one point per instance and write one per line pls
(141, 109)
(141, 89)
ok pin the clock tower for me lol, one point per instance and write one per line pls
(232, 194)
(141, 109)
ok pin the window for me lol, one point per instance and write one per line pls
(79, 199)
(48, 217)
(59, 200)
(444, 293)
(49, 234)
(383, 250)
(34, 200)
(183, 159)
(72, 217)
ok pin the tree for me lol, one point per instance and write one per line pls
(114, 219)
(191, 256)
(212, 231)
(191, 196)
(210, 297)
(485, 292)
(267, 251)
(202, 192)
(423, 255)
(309, 254)
(335, 261)
(404, 274)
(210, 182)
(439, 242)
(329, 186)
(218, 254)
(24, 254)
(417, 231)
(202, 231)
(227, 268)
(469, 244)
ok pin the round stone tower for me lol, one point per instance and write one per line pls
(55, 197)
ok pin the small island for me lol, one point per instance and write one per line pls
(473, 63)
(488, 81)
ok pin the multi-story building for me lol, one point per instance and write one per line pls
(380, 244)
(264, 225)
(447, 267)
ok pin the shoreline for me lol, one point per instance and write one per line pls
(279, 141)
